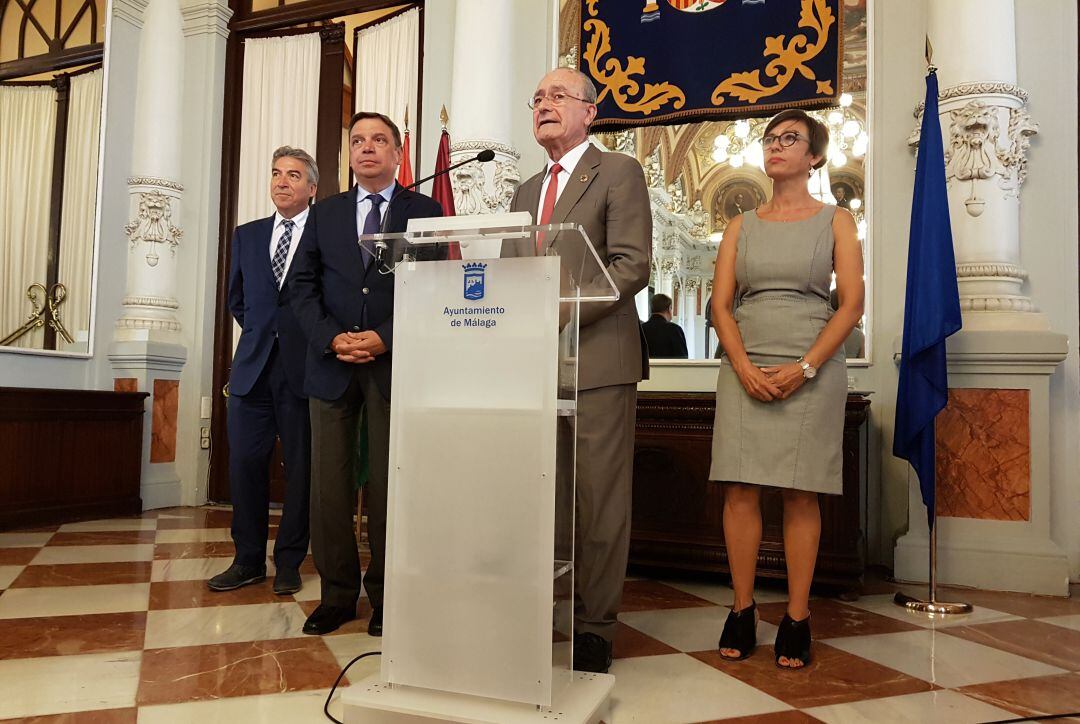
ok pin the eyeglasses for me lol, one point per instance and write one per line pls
(556, 99)
(786, 139)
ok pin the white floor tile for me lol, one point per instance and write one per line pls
(347, 647)
(947, 707)
(194, 535)
(945, 660)
(8, 574)
(689, 629)
(24, 540)
(74, 600)
(679, 688)
(1071, 621)
(57, 555)
(883, 605)
(223, 624)
(298, 706)
(58, 684)
(722, 594)
(187, 569)
(114, 524)
(311, 590)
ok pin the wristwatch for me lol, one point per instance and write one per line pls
(808, 370)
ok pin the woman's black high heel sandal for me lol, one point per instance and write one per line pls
(740, 632)
(793, 641)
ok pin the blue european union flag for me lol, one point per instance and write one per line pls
(932, 307)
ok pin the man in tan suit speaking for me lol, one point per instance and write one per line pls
(606, 194)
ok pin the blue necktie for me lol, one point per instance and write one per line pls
(372, 225)
(281, 253)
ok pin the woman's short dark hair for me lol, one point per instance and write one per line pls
(819, 134)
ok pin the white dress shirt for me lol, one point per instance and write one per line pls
(568, 162)
(298, 230)
(363, 206)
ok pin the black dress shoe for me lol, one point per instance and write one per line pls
(236, 576)
(325, 619)
(374, 625)
(286, 581)
(592, 653)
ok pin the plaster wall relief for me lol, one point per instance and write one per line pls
(484, 188)
(987, 140)
(987, 134)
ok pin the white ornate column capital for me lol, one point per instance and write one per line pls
(204, 17)
(484, 188)
(130, 11)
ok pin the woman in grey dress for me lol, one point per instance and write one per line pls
(782, 385)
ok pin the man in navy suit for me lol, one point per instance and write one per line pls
(344, 298)
(266, 385)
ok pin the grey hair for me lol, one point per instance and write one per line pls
(588, 88)
(302, 155)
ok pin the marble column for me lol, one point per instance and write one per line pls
(479, 111)
(993, 450)
(147, 343)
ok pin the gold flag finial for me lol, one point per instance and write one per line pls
(444, 117)
(929, 55)
(406, 118)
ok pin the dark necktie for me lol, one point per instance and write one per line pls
(281, 253)
(372, 225)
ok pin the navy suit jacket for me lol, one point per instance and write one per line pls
(332, 292)
(262, 311)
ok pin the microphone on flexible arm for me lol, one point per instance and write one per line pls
(381, 246)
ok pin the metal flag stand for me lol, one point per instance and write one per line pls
(931, 606)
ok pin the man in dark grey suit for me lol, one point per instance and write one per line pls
(344, 298)
(606, 194)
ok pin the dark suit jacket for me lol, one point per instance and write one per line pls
(332, 292)
(665, 339)
(608, 197)
(262, 311)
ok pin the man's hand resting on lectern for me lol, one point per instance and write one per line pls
(358, 347)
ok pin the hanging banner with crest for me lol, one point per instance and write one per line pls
(658, 62)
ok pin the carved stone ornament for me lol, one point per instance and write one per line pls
(976, 149)
(654, 172)
(153, 224)
(476, 191)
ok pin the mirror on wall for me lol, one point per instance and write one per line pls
(51, 82)
(702, 175)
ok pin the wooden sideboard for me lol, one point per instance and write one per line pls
(68, 455)
(678, 511)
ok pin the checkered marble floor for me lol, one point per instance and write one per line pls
(110, 621)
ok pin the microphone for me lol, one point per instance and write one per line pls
(483, 157)
(381, 246)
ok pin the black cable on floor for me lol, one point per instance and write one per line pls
(1041, 717)
(326, 706)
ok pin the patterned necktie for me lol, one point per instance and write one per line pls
(549, 203)
(281, 253)
(372, 225)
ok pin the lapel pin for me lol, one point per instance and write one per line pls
(584, 177)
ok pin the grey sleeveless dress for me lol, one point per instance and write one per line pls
(783, 272)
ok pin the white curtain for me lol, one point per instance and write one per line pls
(386, 69)
(27, 130)
(280, 108)
(80, 202)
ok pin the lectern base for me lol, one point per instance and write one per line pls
(371, 701)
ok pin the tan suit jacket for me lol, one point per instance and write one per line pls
(607, 195)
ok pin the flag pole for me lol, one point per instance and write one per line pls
(932, 605)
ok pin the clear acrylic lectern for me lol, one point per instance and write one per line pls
(480, 516)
